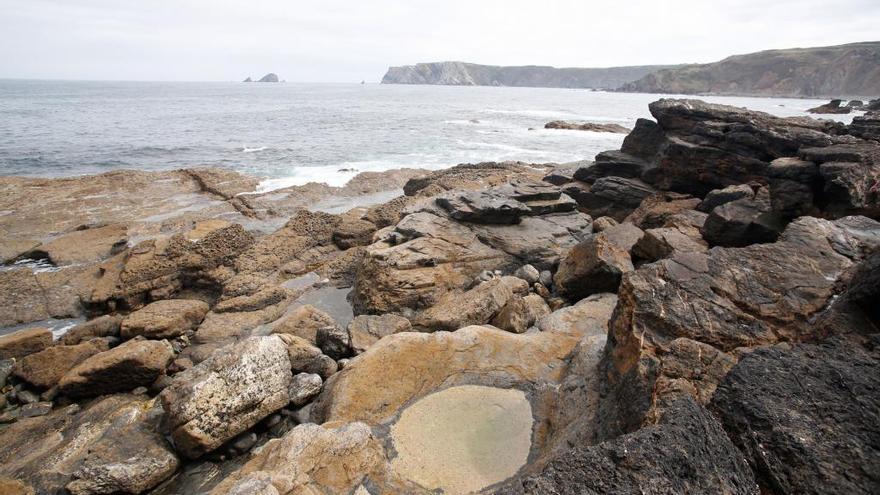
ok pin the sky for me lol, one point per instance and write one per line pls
(350, 41)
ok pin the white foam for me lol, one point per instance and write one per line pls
(245, 149)
(557, 114)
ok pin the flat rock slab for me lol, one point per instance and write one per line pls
(165, 319)
(464, 438)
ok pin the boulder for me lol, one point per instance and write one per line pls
(45, 368)
(476, 306)
(597, 264)
(805, 416)
(305, 357)
(266, 296)
(334, 342)
(164, 319)
(102, 326)
(615, 197)
(311, 459)
(366, 330)
(603, 223)
(644, 141)
(353, 232)
(588, 316)
(112, 445)
(678, 320)
(832, 107)
(528, 273)
(304, 321)
(133, 364)
(743, 222)
(718, 197)
(866, 127)
(303, 388)
(656, 210)
(612, 164)
(23, 342)
(227, 394)
(662, 243)
(687, 451)
(848, 178)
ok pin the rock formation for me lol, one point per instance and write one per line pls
(696, 312)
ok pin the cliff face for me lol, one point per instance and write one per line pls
(845, 70)
(465, 74)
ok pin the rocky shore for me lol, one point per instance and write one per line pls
(693, 313)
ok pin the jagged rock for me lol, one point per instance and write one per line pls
(388, 213)
(687, 451)
(743, 222)
(655, 211)
(848, 176)
(644, 141)
(718, 197)
(708, 146)
(304, 387)
(514, 317)
(615, 197)
(304, 322)
(84, 245)
(270, 78)
(23, 342)
(227, 394)
(832, 107)
(311, 459)
(560, 176)
(689, 312)
(133, 364)
(164, 319)
(305, 357)
(111, 446)
(805, 416)
(586, 126)
(476, 306)
(612, 164)
(793, 186)
(45, 368)
(597, 264)
(102, 326)
(866, 127)
(366, 330)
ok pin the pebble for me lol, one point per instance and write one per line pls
(35, 409)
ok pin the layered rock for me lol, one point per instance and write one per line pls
(135, 363)
(164, 319)
(45, 368)
(24, 342)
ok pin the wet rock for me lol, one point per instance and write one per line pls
(23, 342)
(718, 197)
(476, 306)
(164, 319)
(721, 300)
(227, 394)
(102, 326)
(686, 452)
(45, 368)
(304, 387)
(334, 342)
(366, 330)
(311, 459)
(304, 322)
(110, 446)
(586, 126)
(805, 416)
(597, 264)
(743, 222)
(133, 364)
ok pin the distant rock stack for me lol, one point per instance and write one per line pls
(270, 77)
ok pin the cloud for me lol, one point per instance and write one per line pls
(335, 40)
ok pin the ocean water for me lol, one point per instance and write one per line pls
(291, 134)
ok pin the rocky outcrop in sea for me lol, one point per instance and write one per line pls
(693, 313)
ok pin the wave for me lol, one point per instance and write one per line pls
(557, 114)
(245, 149)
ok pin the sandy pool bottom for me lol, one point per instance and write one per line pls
(464, 438)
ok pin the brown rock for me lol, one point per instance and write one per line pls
(164, 319)
(133, 364)
(305, 357)
(597, 264)
(102, 326)
(23, 342)
(476, 306)
(366, 330)
(45, 368)
(353, 232)
(85, 245)
(304, 322)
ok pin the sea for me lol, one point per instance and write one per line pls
(291, 134)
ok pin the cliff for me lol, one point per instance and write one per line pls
(465, 74)
(834, 71)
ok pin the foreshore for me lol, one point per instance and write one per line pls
(694, 312)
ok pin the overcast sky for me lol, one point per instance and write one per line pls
(335, 40)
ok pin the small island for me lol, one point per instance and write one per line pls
(270, 77)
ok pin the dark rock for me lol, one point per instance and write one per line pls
(805, 415)
(334, 342)
(483, 207)
(615, 197)
(34, 409)
(678, 320)
(560, 176)
(718, 197)
(644, 141)
(685, 452)
(612, 164)
(866, 127)
(270, 77)
(794, 184)
(597, 264)
(743, 222)
(832, 107)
